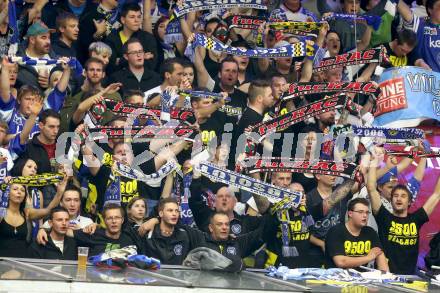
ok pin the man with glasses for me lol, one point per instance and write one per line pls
(354, 244)
(110, 238)
(135, 76)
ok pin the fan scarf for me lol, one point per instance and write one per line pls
(113, 191)
(191, 6)
(282, 122)
(143, 133)
(124, 257)
(122, 109)
(12, 18)
(173, 32)
(278, 164)
(373, 20)
(374, 55)
(273, 193)
(414, 154)
(4, 192)
(73, 62)
(32, 181)
(297, 27)
(203, 95)
(128, 172)
(249, 22)
(308, 88)
(388, 133)
(300, 49)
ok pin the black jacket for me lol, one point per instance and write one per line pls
(50, 251)
(233, 248)
(170, 250)
(149, 80)
(61, 49)
(36, 151)
(148, 43)
(201, 212)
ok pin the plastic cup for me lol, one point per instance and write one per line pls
(83, 253)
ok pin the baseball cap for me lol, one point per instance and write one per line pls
(388, 176)
(37, 28)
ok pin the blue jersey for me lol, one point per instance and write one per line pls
(428, 38)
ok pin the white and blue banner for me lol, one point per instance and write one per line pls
(409, 95)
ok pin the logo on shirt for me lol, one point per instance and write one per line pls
(434, 44)
(231, 250)
(403, 234)
(393, 96)
(357, 248)
(178, 249)
(432, 31)
(236, 228)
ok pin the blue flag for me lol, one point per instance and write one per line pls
(113, 192)
(12, 14)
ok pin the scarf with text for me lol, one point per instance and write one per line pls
(123, 109)
(297, 27)
(32, 181)
(4, 192)
(249, 22)
(300, 49)
(140, 134)
(372, 20)
(273, 193)
(309, 88)
(279, 164)
(192, 6)
(387, 133)
(203, 95)
(128, 172)
(282, 122)
(73, 62)
(374, 55)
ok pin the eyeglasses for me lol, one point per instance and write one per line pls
(113, 219)
(140, 52)
(362, 212)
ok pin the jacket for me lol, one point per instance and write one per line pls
(51, 251)
(36, 151)
(148, 43)
(201, 212)
(149, 80)
(170, 250)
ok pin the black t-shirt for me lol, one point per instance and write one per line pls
(250, 117)
(341, 242)
(213, 127)
(323, 223)
(299, 237)
(400, 237)
(309, 183)
(407, 60)
(234, 109)
(99, 242)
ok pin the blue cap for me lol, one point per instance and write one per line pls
(37, 28)
(388, 176)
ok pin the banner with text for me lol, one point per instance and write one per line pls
(409, 95)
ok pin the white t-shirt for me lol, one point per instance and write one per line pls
(59, 244)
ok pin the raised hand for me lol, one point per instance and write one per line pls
(112, 88)
(37, 106)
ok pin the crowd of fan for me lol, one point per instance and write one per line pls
(122, 49)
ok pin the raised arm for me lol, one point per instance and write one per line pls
(365, 41)
(30, 122)
(5, 86)
(35, 214)
(405, 11)
(372, 185)
(433, 200)
(338, 194)
(146, 21)
(63, 83)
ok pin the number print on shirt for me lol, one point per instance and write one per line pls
(357, 248)
(403, 234)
